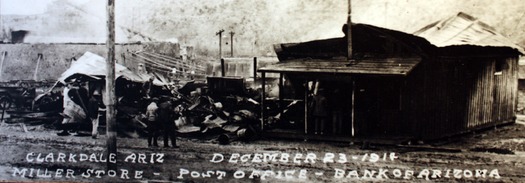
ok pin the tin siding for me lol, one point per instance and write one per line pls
(445, 95)
(480, 100)
(492, 99)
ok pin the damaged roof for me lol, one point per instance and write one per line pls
(383, 51)
(93, 65)
(463, 29)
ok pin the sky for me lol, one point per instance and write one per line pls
(23, 7)
(258, 24)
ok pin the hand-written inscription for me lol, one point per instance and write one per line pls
(46, 158)
(143, 158)
(70, 157)
(299, 158)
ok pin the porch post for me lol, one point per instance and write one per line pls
(263, 83)
(281, 90)
(254, 69)
(306, 107)
(223, 70)
(353, 107)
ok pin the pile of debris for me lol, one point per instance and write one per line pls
(206, 112)
(203, 114)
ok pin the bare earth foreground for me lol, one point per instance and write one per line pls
(495, 155)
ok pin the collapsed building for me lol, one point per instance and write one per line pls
(452, 76)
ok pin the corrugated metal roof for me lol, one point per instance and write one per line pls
(387, 66)
(464, 29)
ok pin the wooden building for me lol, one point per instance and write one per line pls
(451, 77)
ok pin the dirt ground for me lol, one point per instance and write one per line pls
(494, 155)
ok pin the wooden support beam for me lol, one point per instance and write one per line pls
(263, 98)
(152, 62)
(223, 70)
(231, 42)
(4, 54)
(281, 90)
(353, 107)
(35, 74)
(306, 111)
(123, 61)
(254, 69)
(154, 66)
(172, 61)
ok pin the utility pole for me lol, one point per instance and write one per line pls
(231, 41)
(111, 123)
(1, 24)
(220, 42)
(349, 32)
(352, 61)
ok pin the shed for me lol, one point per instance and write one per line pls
(452, 76)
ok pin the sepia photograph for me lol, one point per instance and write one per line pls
(262, 91)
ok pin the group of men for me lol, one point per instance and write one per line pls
(161, 116)
(322, 108)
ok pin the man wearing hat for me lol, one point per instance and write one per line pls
(152, 124)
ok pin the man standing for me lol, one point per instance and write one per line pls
(167, 118)
(152, 118)
(146, 87)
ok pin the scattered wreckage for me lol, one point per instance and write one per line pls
(209, 110)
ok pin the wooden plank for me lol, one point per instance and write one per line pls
(263, 98)
(4, 54)
(306, 111)
(171, 61)
(152, 62)
(344, 65)
(343, 60)
(24, 127)
(35, 74)
(335, 67)
(223, 72)
(154, 58)
(304, 67)
(317, 70)
(353, 107)
(255, 69)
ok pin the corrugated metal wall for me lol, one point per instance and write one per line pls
(493, 94)
(449, 96)
(445, 98)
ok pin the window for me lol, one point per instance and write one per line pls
(499, 67)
